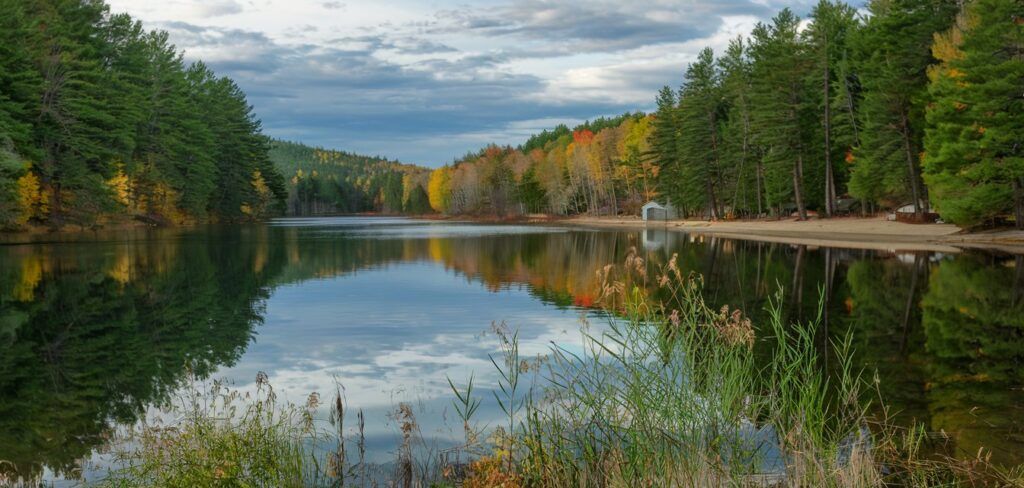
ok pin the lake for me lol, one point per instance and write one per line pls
(97, 328)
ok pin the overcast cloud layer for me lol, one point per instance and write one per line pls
(427, 81)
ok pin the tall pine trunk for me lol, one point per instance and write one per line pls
(915, 188)
(712, 168)
(798, 177)
(830, 191)
(712, 203)
(758, 178)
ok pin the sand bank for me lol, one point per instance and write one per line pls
(848, 232)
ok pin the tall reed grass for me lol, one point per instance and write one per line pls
(216, 436)
(672, 393)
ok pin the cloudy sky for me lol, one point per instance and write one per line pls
(427, 81)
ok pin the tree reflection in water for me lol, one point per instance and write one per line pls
(93, 332)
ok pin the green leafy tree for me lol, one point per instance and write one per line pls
(894, 52)
(975, 136)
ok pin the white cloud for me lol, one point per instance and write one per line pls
(426, 82)
(216, 8)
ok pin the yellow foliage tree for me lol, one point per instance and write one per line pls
(260, 205)
(439, 189)
(31, 201)
(120, 186)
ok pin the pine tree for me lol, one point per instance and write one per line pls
(780, 105)
(894, 51)
(20, 83)
(699, 112)
(846, 122)
(391, 193)
(831, 23)
(17, 86)
(239, 147)
(172, 156)
(107, 121)
(530, 192)
(741, 160)
(975, 137)
(76, 128)
(11, 169)
(418, 202)
(665, 145)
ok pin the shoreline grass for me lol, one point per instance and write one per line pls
(671, 394)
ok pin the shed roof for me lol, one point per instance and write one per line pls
(654, 204)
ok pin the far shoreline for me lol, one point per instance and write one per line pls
(849, 232)
(873, 233)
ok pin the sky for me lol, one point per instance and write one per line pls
(426, 82)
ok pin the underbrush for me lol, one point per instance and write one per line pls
(215, 436)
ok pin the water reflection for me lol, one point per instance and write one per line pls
(92, 332)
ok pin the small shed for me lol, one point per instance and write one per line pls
(906, 214)
(656, 211)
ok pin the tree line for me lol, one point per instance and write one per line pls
(909, 102)
(323, 181)
(597, 167)
(101, 119)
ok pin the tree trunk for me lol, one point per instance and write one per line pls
(757, 181)
(743, 160)
(798, 176)
(713, 167)
(712, 204)
(798, 168)
(830, 193)
(915, 189)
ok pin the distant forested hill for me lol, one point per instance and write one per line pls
(101, 119)
(323, 181)
(600, 166)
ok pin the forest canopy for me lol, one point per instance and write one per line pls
(904, 103)
(908, 103)
(101, 119)
(321, 181)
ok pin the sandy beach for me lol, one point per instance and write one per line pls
(848, 232)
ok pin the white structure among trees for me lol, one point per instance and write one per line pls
(656, 211)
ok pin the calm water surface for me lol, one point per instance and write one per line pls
(98, 328)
